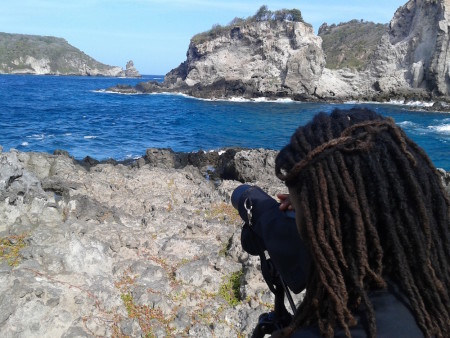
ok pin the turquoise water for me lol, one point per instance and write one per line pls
(44, 113)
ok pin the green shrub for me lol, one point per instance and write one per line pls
(263, 14)
(229, 289)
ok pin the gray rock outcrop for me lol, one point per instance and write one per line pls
(272, 58)
(130, 70)
(113, 250)
(106, 249)
(414, 54)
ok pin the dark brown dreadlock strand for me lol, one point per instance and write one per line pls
(371, 208)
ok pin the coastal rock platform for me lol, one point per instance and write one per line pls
(149, 247)
(107, 249)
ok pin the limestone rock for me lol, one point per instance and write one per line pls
(414, 53)
(130, 70)
(270, 58)
(99, 240)
(277, 59)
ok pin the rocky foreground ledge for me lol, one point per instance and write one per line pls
(146, 248)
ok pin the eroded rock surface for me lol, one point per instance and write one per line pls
(108, 249)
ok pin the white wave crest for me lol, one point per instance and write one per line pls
(104, 91)
(36, 136)
(89, 136)
(407, 124)
(441, 129)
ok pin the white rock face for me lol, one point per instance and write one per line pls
(271, 56)
(285, 59)
(414, 54)
(42, 66)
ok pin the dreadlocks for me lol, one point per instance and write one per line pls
(371, 208)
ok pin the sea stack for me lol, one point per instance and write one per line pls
(130, 70)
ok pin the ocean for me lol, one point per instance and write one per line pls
(76, 114)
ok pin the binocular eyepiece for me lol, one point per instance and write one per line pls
(237, 194)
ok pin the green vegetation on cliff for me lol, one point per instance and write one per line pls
(350, 44)
(263, 14)
(44, 55)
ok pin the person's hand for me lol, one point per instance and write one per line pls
(285, 202)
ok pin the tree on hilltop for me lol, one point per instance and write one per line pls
(263, 14)
(295, 15)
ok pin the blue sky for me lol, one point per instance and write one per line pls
(155, 34)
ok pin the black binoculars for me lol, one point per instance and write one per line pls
(272, 235)
(274, 231)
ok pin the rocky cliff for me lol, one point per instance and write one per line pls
(262, 58)
(282, 58)
(415, 55)
(45, 55)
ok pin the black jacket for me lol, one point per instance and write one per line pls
(394, 318)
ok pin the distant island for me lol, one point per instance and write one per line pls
(278, 55)
(48, 55)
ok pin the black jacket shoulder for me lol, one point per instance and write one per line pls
(393, 316)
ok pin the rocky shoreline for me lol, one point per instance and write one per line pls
(146, 247)
(107, 249)
(272, 58)
(427, 103)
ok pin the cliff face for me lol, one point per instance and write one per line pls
(414, 54)
(273, 58)
(281, 58)
(44, 55)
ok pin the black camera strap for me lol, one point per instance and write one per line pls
(280, 317)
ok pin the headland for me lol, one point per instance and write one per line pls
(275, 55)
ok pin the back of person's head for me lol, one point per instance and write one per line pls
(370, 207)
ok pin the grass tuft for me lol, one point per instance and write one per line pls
(229, 290)
(10, 247)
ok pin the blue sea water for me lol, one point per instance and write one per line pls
(44, 113)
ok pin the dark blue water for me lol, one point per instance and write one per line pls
(44, 113)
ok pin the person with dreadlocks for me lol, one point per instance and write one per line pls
(373, 214)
